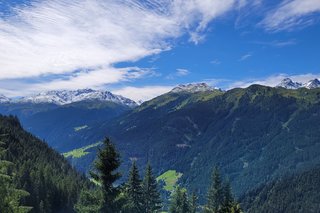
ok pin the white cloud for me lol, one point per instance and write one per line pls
(291, 13)
(182, 72)
(245, 57)
(215, 62)
(277, 43)
(96, 79)
(179, 73)
(59, 36)
(142, 93)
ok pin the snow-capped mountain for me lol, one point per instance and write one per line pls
(312, 84)
(192, 88)
(62, 97)
(4, 99)
(290, 84)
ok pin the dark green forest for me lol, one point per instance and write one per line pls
(47, 181)
(294, 193)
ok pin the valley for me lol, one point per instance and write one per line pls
(254, 134)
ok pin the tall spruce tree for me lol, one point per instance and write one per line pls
(230, 205)
(215, 195)
(228, 200)
(179, 202)
(134, 191)
(220, 198)
(151, 195)
(106, 174)
(193, 203)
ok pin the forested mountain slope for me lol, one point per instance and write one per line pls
(298, 193)
(59, 125)
(255, 134)
(52, 183)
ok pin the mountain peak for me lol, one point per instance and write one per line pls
(312, 84)
(289, 84)
(4, 99)
(192, 88)
(62, 97)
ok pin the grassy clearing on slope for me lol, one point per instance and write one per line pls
(170, 179)
(76, 129)
(78, 153)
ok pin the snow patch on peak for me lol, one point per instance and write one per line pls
(4, 99)
(312, 84)
(289, 84)
(192, 88)
(62, 97)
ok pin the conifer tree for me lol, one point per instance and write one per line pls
(193, 203)
(151, 195)
(185, 208)
(215, 194)
(179, 202)
(230, 205)
(134, 192)
(220, 198)
(106, 174)
(228, 200)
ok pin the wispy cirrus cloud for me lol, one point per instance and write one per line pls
(215, 62)
(180, 72)
(245, 57)
(57, 37)
(277, 43)
(291, 14)
(95, 79)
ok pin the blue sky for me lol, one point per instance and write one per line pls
(141, 49)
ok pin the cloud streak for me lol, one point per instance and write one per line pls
(245, 57)
(57, 37)
(277, 43)
(95, 79)
(291, 14)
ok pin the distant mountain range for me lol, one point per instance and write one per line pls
(57, 115)
(62, 97)
(290, 84)
(4, 99)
